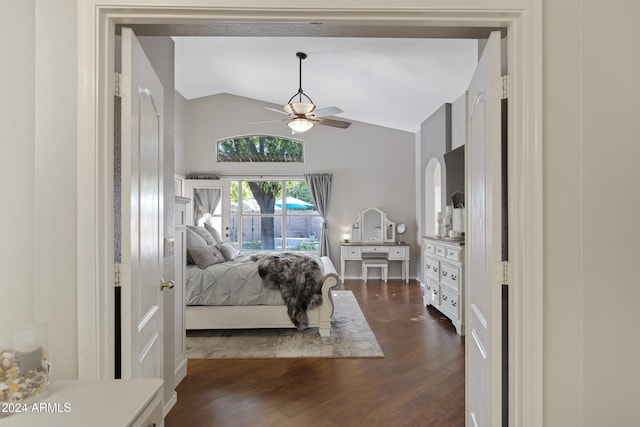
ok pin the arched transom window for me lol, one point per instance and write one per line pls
(260, 148)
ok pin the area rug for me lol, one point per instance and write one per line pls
(351, 337)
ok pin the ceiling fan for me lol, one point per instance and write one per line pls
(302, 115)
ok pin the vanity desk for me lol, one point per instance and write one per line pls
(356, 251)
(373, 236)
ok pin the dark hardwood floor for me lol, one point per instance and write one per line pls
(419, 382)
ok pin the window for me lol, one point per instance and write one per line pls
(260, 148)
(274, 215)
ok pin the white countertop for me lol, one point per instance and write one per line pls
(84, 403)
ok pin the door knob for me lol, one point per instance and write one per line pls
(168, 285)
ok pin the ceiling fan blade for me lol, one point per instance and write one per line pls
(331, 122)
(277, 111)
(327, 111)
(268, 121)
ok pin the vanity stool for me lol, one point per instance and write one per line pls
(381, 263)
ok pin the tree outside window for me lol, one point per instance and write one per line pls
(274, 215)
(260, 148)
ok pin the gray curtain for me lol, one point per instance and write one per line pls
(205, 200)
(320, 188)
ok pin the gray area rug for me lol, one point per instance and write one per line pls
(351, 337)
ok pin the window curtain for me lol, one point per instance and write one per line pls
(320, 188)
(205, 201)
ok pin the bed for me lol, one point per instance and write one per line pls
(234, 295)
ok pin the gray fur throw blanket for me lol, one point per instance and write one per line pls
(299, 278)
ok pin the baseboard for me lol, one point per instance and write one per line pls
(170, 404)
(180, 372)
(378, 277)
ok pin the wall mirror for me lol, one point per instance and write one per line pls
(373, 226)
(209, 203)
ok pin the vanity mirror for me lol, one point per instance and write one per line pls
(373, 226)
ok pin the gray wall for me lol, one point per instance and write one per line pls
(179, 133)
(435, 140)
(459, 121)
(368, 163)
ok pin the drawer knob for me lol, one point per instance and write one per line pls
(445, 297)
(444, 273)
(435, 269)
(454, 277)
(454, 303)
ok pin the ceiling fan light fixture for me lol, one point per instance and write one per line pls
(300, 125)
(304, 113)
(299, 108)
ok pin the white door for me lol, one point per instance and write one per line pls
(141, 218)
(483, 240)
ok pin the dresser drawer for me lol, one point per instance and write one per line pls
(453, 253)
(398, 252)
(351, 252)
(431, 293)
(450, 275)
(449, 301)
(440, 250)
(429, 246)
(432, 268)
(375, 249)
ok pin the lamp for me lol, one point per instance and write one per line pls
(300, 125)
(206, 217)
(345, 236)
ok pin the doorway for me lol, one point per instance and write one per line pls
(97, 23)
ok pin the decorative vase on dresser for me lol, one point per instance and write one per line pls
(443, 277)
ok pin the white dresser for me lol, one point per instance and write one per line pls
(443, 278)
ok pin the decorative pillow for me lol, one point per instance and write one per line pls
(202, 232)
(204, 257)
(215, 233)
(229, 250)
(194, 241)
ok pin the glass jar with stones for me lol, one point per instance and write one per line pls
(24, 365)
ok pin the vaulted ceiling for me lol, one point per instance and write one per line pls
(394, 77)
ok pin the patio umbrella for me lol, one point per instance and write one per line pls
(293, 203)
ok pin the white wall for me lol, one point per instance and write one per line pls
(17, 120)
(55, 182)
(592, 147)
(610, 153)
(38, 127)
(590, 140)
(371, 165)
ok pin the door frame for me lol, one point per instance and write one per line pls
(523, 22)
